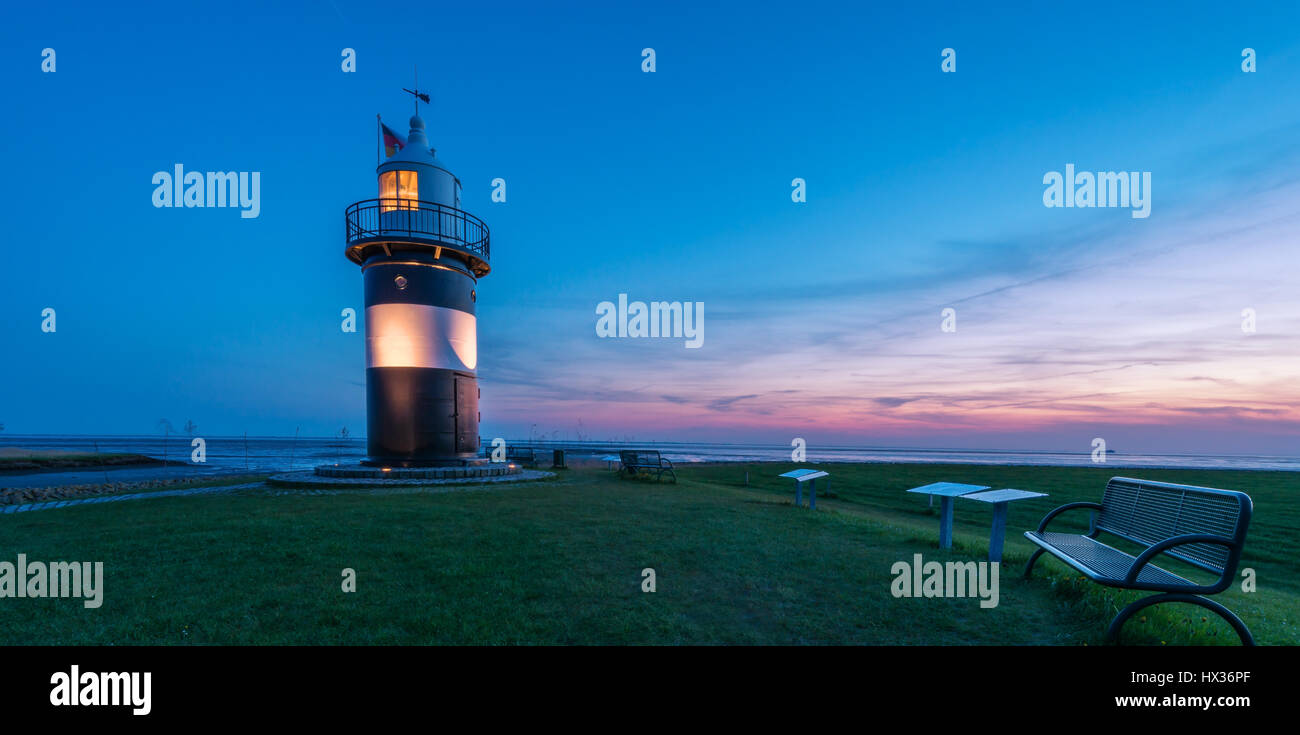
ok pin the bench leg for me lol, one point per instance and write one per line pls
(998, 531)
(1112, 633)
(945, 523)
(1032, 559)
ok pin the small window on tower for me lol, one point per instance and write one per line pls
(398, 190)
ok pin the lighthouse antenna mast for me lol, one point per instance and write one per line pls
(416, 93)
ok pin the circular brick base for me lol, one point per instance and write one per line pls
(362, 472)
(470, 477)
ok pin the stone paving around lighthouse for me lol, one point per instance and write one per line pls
(312, 479)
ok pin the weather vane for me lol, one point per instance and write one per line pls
(419, 96)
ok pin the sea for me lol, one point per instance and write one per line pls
(237, 454)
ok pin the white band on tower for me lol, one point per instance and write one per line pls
(419, 335)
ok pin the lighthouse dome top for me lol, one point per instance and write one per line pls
(416, 150)
(417, 135)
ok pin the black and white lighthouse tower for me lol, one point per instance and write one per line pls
(421, 257)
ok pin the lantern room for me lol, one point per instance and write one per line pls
(414, 174)
(417, 211)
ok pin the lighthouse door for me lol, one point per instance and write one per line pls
(466, 414)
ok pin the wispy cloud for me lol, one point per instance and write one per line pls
(1126, 323)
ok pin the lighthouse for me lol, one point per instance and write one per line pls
(421, 257)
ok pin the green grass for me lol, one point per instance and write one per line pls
(560, 562)
(1272, 544)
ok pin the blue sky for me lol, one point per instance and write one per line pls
(924, 192)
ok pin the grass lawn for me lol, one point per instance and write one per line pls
(559, 562)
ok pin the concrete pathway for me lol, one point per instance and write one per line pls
(180, 492)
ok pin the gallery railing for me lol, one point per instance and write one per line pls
(375, 219)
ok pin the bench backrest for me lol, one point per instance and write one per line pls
(1147, 512)
(640, 457)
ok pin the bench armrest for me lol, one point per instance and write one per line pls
(663, 462)
(1042, 526)
(1160, 547)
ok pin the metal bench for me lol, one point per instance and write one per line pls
(1201, 526)
(522, 455)
(636, 461)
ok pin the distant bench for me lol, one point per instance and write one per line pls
(1201, 526)
(636, 461)
(522, 455)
